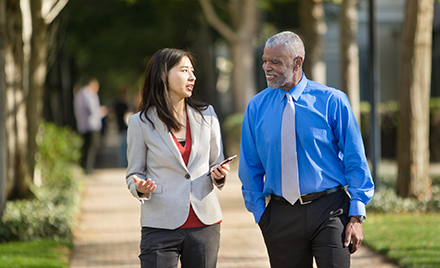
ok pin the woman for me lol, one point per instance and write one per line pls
(173, 143)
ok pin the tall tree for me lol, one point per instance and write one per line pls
(313, 29)
(415, 79)
(37, 76)
(18, 176)
(23, 86)
(349, 52)
(3, 163)
(239, 33)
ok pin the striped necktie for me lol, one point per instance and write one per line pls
(289, 163)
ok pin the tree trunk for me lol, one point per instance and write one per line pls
(3, 162)
(19, 178)
(18, 175)
(243, 28)
(205, 66)
(413, 148)
(313, 28)
(243, 74)
(36, 79)
(350, 55)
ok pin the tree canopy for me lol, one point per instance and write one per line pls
(113, 39)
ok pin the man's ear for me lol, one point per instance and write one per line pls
(297, 62)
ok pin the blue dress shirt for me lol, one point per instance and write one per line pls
(329, 146)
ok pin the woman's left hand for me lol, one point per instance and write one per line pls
(219, 173)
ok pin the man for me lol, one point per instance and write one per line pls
(88, 115)
(301, 152)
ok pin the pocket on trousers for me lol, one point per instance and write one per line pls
(265, 218)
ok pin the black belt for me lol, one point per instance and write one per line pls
(309, 198)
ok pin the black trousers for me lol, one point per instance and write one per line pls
(196, 247)
(295, 234)
(89, 150)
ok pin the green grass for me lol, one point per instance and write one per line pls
(410, 239)
(41, 254)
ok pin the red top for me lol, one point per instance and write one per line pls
(192, 221)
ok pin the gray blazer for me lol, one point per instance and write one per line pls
(152, 153)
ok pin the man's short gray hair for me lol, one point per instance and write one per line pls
(291, 41)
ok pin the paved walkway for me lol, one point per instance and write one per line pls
(108, 232)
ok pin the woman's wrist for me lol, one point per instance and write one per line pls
(220, 181)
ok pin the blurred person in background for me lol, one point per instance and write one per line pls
(88, 115)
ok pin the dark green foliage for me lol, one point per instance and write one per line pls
(283, 14)
(50, 214)
(114, 40)
(58, 148)
(389, 122)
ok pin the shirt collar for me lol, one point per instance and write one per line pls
(296, 91)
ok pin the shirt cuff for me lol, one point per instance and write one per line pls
(357, 208)
(143, 199)
(219, 186)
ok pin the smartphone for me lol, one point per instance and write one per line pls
(227, 160)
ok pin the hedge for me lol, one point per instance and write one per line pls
(50, 215)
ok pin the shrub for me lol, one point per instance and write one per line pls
(386, 199)
(389, 122)
(57, 196)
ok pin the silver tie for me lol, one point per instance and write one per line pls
(289, 163)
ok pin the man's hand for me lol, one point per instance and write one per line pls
(353, 234)
(144, 186)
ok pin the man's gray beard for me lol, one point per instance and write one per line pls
(281, 83)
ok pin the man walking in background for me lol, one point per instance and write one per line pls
(88, 115)
(301, 152)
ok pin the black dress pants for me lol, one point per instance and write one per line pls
(196, 247)
(295, 234)
(89, 150)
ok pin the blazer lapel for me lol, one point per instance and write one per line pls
(162, 129)
(195, 122)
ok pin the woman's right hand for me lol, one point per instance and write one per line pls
(144, 186)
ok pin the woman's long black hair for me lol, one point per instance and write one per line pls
(155, 91)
